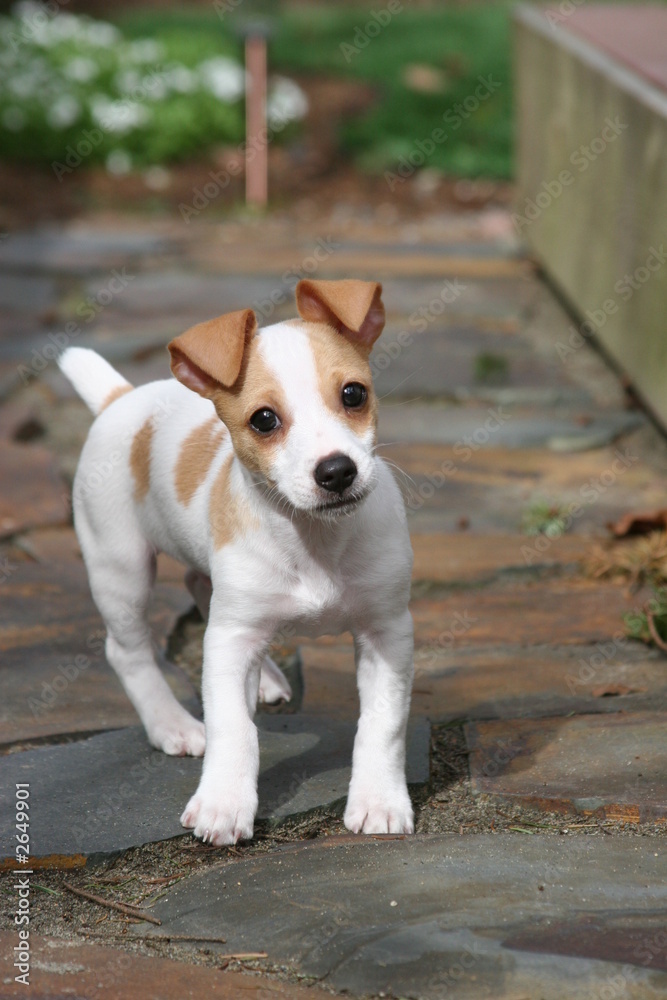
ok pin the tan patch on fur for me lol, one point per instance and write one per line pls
(195, 457)
(337, 362)
(230, 519)
(115, 394)
(140, 460)
(255, 388)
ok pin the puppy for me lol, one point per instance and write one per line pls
(256, 467)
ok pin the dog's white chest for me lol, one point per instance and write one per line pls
(317, 603)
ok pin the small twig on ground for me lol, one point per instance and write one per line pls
(112, 879)
(196, 938)
(129, 911)
(246, 956)
(242, 956)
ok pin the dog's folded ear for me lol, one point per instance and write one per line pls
(210, 355)
(354, 308)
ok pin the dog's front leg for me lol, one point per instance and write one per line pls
(378, 800)
(223, 808)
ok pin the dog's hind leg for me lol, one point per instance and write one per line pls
(273, 685)
(121, 570)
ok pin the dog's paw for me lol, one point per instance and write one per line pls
(373, 813)
(220, 819)
(179, 735)
(273, 685)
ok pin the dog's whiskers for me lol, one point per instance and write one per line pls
(401, 472)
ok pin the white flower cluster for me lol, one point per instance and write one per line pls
(60, 71)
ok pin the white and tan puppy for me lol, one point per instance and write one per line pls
(256, 467)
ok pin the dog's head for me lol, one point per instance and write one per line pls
(297, 397)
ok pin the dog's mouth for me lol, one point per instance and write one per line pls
(340, 504)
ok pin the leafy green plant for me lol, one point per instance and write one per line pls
(650, 624)
(75, 89)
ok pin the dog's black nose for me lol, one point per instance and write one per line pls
(335, 473)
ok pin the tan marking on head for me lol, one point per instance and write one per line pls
(229, 517)
(337, 362)
(115, 394)
(195, 457)
(140, 459)
(256, 387)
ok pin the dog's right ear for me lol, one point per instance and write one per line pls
(209, 356)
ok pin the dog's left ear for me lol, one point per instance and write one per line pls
(354, 308)
(209, 356)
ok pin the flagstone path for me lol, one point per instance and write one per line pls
(499, 420)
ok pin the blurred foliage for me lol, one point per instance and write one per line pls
(458, 45)
(650, 624)
(75, 89)
(423, 67)
(462, 44)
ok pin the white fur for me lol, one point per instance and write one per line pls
(286, 351)
(294, 573)
(93, 377)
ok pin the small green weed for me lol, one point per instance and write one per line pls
(490, 367)
(544, 518)
(650, 624)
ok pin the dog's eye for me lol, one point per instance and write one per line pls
(264, 421)
(353, 395)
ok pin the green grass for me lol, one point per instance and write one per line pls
(461, 44)
(464, 44)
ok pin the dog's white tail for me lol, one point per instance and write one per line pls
(93, 378)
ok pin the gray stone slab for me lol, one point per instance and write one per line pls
(54, 677)
(77, 251)
(113, 791)
(192, 296)
(9, 381)
(488, 298)
(468, 361)
(432, 916)
(496, 489)
(65, 687)
(514, 681)
(20, 293)
(511, 427)
(466, 249)
(625, 772)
